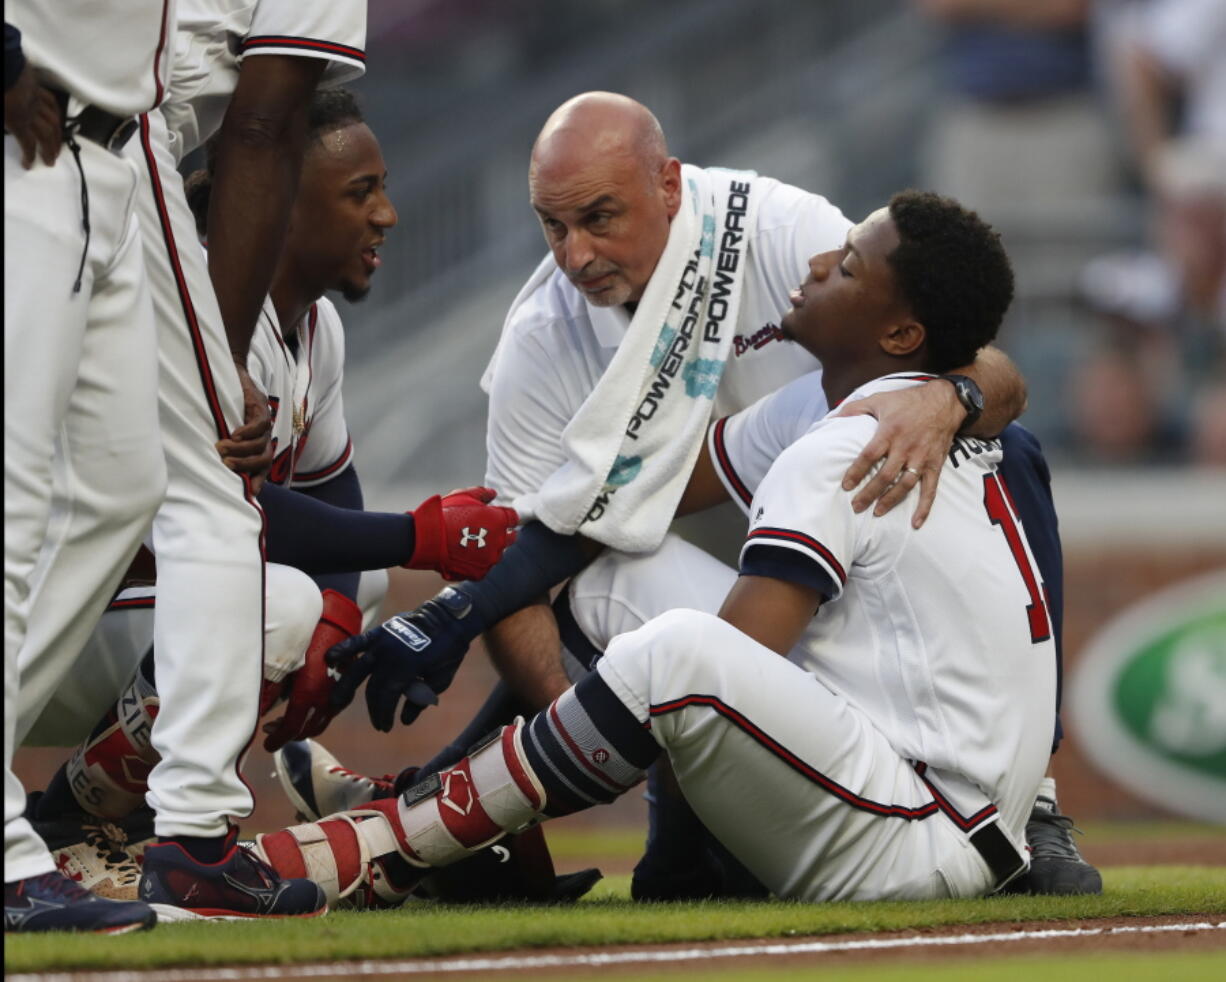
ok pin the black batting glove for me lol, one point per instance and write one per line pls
(413, 656)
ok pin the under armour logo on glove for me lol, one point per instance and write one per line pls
(461, 534)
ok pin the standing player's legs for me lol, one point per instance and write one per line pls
(207, 535)
(66, 353)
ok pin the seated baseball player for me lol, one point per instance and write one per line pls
(870, 713)
(315, 525)
(582, 330)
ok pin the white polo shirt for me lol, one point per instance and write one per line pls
(934, 633)
(558, 345)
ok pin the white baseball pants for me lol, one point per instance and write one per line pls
(789, 775)
(80, 413)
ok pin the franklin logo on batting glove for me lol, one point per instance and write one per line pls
(405, 632)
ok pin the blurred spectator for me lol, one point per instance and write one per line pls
(1021, 128)
(1169, 59)
(1209, 428)
(1114, 410)
(1162, 331)
(1190, 190)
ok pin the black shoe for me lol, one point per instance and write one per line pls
(1055, 864)
(517, 868)
(240, 885)
(53, 902)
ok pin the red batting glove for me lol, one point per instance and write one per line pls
(310, 709)
(461, 535)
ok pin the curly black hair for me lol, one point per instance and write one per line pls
(953, 272)
(330, 109)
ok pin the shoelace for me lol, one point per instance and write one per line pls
(1049, 835)
(386, 781)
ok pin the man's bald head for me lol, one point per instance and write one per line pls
(605, 190)
(600, 124)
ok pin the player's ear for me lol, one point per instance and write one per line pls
(670, 185)
(904, 338)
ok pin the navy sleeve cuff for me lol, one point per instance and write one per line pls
(14, 57)
(788, 565)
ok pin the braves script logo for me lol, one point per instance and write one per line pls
(407, 634)
(759, 339)
(466, 537)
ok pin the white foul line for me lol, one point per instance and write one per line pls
(597, 959)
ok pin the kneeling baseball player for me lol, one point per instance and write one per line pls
(316, 525)
(870, 713)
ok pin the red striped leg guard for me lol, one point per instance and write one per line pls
(352, 856)
(461, 810)
(109, 772)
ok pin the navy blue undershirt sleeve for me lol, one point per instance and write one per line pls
(539, 559)
(318, 536)
(14, 57)
(344, 490)
(788, 565)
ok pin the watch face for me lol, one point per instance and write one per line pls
(970, 395)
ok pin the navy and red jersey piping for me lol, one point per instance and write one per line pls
(768, 534)
(335, 467)
(185, 298)
(133, 603)
(724, 462)
(910, 813)
(159, 90)
(290, 42)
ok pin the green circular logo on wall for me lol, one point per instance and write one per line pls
(1149, 698)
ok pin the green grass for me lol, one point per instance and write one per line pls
(607, 918)
(1167, 966)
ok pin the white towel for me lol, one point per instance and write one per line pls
(632, 444)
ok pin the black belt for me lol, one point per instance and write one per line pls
(999, 853)
(97, 125)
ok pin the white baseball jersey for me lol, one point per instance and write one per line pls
(303, 380)
(215, 36)
(115, 56)
(915, 711)
(940, 635)
(558, 345)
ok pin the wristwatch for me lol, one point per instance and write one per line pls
(971, 397)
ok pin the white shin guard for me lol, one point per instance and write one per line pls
(446, 818)
(464, 808)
